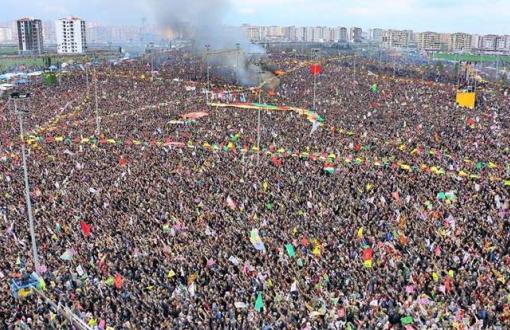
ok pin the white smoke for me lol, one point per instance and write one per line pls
(203, 20)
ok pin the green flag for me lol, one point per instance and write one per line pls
(373, 88)
(259, 303)
(407, 320)
(441, 195)
(290, 250)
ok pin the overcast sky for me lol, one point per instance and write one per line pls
(473, 16)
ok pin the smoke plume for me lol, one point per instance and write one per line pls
(202, 20)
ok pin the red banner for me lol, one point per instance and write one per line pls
(315, 69)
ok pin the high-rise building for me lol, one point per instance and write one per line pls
(501, 43)
(49, 33)
(71, 35)
(356, 34)
(429, 41)
(30, 36)
(395, 39)
(300, 34)
(5, 34)
(460, 42)
(375, 35)
(475, 41)
(344, 37)
(489, 42)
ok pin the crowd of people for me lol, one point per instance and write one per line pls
(393, 214)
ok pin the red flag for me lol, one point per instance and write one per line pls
(315, 69)
(122, 161)
(118, 281)
(471, 122)
(85, 228)
(276, 161)
(368, 254)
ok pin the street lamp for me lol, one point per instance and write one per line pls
(20, 113)
(207, 47)
(238, 48)
(98, 128)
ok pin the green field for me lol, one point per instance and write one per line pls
(8, 63)
(470, 57)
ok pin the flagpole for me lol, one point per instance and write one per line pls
(27, 192)
(258, 126)
(314, 89)
(98, 129)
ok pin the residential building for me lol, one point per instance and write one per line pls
(489, 42)
(476, 41)
(71, 35)
(300, 34)
(344, 37)
(501, 43)
(5, 34)
(429, 41)
(460, 42)
(356, 34)
(376, 35)
(395, 39)
(49, 33)
(30, 36)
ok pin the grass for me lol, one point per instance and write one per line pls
(471, 57)
(10, 63)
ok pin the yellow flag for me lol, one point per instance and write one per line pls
(360, 232)
(316, 250)
(369, 186)
(170, 274)
(367, 263)
(264, 185)
(435, 277)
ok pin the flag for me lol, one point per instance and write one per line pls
(276, 161)
(290, 250)
(230, 203)
(110, 281)
(85, 228)
(329, 168)
(118, 281)
(471, 123)
(122, 161)
(67, 255)
(315, 126)
(259, 303)
(367, 256)
(373, 88)
(315, 69)
(256, 240)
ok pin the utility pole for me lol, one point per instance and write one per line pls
(98, 128)
(258, 117)
(20, 113)
(207, 47)
(238, 48)
(65, 312)
(87, 79)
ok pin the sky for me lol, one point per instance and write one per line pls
(471, 16)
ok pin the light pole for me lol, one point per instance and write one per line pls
(238, 48)
(20, 114)
(258, 116)
(98, 128)
(207, 47)
(87, 79)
